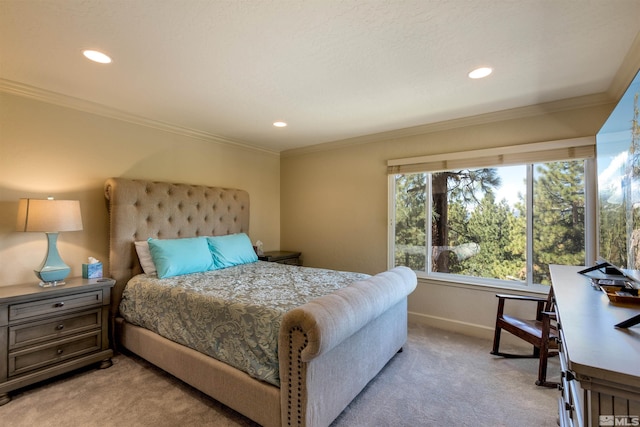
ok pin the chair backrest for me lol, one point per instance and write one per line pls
(550, 305)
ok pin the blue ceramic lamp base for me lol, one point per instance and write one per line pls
(53, 270)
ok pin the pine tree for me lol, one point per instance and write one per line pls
(465, 189)
(558, 217)
(410, 219)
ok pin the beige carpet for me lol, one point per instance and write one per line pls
(440, 379)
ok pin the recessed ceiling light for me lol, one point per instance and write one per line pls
(279, 124)
(96, 56)
(481, 72)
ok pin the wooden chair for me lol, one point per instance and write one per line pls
(541, 331)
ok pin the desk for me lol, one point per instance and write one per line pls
(600, 363)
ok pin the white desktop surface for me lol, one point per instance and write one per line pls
(597, 351)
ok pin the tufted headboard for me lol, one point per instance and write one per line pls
(141, 209)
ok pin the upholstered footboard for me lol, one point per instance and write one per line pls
(331, 347)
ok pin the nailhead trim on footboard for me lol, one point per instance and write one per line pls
(297, 342)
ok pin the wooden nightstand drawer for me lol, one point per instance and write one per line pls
(35, 357)
(54, 328)
(54, 305)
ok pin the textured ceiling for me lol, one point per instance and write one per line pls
(331, 69)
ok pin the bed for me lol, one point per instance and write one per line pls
(328, 348)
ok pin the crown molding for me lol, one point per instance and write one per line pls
(32, 92)
(627, 71)
(27, 91)
(586, 101)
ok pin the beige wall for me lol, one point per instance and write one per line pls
(334, 204)
(329, 203)
(47, 149)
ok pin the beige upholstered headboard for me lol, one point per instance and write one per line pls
(141, 209)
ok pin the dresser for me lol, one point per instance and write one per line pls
(600, 378)
(49, 331)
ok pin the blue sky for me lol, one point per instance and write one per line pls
(513, 178)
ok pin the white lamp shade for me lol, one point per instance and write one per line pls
(49, 215)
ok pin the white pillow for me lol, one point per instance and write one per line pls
(144, 256)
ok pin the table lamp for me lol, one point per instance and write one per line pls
(50, 216)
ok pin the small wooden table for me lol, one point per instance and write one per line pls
(282, 257)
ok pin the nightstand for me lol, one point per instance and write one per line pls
(282, 257)
(45, 332)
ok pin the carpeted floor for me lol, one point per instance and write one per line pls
(440, 379)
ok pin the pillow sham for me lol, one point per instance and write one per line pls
(144, 256)
(174, 257)
(230, 250)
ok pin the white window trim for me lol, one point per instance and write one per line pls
(519, 154)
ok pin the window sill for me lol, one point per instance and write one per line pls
(482, 285)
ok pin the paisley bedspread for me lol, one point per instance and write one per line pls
(232, 314)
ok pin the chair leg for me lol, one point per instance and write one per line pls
(542, 373)
(543, 351)
(496, 341)
(542, 367)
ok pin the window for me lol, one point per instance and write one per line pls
(500, 219)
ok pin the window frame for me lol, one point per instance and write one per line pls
(528, 155)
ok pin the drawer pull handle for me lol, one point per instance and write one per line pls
(60, 327)
(60, 351)
(59, 304)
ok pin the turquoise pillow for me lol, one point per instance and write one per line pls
(230, 250)
(174, 257)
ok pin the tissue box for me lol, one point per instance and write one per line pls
(92, 271)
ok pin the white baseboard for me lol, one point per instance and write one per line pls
(471, 329)
(465, 328)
